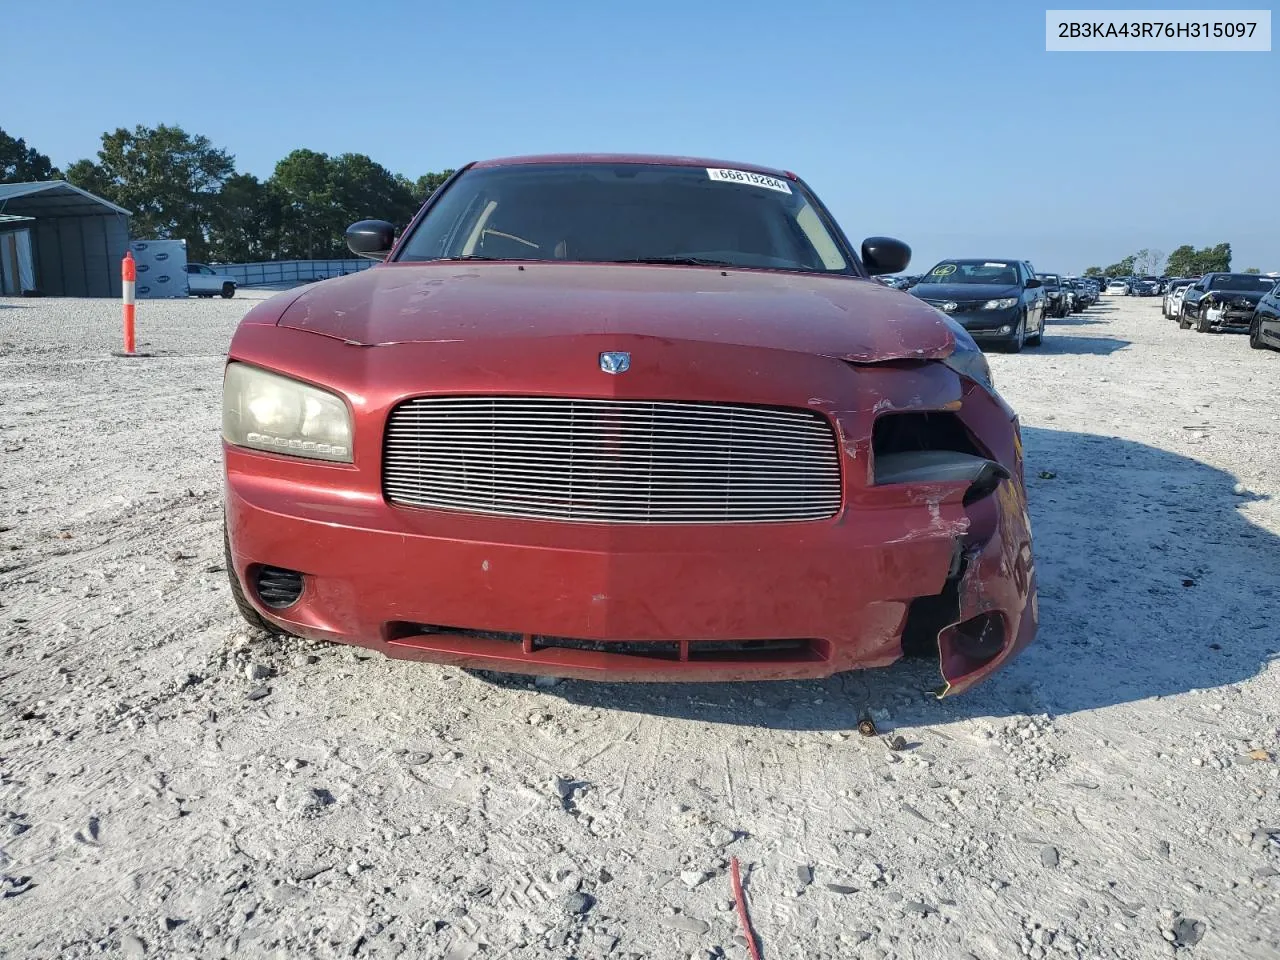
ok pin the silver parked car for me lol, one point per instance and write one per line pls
(1174, 293)
(204, 281)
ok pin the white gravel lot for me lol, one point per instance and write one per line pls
(1113, 794)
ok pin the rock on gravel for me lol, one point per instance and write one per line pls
(300, 801)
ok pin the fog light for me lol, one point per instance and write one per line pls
(1006, 329)
(278, 588)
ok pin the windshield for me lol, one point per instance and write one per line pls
(628, 213)
(1241, 281)
(1050, 279)
(995, 272)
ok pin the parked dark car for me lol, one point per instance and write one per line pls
(1223, 302)
(1264, 329)
(1055, 295)
(1078, 298)
(996, 301)
(1089, 289)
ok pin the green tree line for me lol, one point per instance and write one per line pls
(1185, 261)
(180, 186)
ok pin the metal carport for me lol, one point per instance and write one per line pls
(77, 239)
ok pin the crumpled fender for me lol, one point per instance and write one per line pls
(999, 578)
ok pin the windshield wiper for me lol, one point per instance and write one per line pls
(469, 256)
(679, 261)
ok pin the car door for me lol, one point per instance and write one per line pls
(1191, 302)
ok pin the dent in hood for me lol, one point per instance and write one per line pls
(856, 320)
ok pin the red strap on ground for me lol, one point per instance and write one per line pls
(742, 909)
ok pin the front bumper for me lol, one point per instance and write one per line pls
(429, 585)
(1232, 318)
(987, 326)
(641, 603)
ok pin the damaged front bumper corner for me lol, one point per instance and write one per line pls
(988, 611)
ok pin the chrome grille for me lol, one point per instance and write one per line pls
(611, 461)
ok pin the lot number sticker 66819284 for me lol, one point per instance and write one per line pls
(749, 178)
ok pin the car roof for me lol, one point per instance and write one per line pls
(674, 161)
(982, 260)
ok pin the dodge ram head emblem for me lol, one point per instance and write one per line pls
(616, 362)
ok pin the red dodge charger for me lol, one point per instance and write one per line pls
(626, 418)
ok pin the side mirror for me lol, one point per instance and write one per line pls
(1034, 282)
(371, 239)
(885, 255)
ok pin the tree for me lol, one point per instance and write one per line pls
(1147, 262)
(1125, 268)
(429, 183)
(1252, 270)
(246, 221)
(1215, 259)
(1186, 261)
(1183, 262)
(362, 188)
(321, 196)
(1094, 272)
(169, 179)
(308, 227)
(20, 163)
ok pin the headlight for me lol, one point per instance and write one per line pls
(1004, 303)
(968, 360)
(266, 411)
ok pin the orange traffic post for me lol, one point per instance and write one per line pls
(129, 276)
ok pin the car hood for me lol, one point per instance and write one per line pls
(1232, 296)
(857, 320)
(965, 292)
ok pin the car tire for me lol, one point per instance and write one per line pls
(1019, 338)
(228, 291)
(1184, 322)
(1202, 323)
(247, 611)
(1255, 334)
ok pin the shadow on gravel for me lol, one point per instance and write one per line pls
(1057, 343)
(1076, 320)
(1151, 584)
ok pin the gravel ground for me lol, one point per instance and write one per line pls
(174, 785)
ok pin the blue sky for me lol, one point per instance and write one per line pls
(947, 125)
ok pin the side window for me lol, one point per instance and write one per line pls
(192, 268)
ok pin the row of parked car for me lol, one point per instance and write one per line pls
(1002, 303)
(1136, 286)
(1227, 303)
(1005, 303)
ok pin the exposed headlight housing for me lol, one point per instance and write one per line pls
(1004, 303)
(266, 411)
(968, 360)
